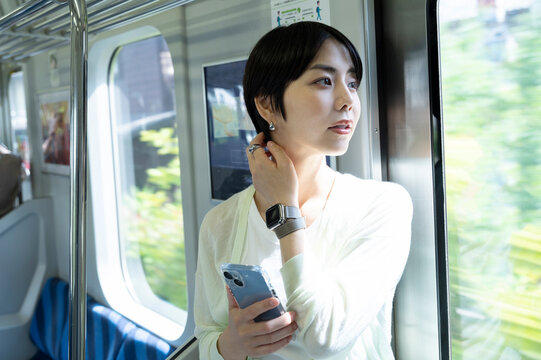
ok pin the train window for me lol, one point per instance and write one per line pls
(147, 172)
(19, 126)
(491, 97)
(138, 227)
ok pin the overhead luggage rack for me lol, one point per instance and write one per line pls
(42, 25)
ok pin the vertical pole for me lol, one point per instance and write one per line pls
(78, 175)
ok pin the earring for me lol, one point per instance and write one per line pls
(272, 127)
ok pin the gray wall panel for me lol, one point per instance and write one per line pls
(24, 233)
(216, 31)
(405, 68)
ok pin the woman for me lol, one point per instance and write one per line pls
(337, 270)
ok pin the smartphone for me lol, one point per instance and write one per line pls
(250, 284)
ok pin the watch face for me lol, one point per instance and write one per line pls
(274, 216)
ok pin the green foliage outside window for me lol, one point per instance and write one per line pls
(155, 232)
(492, 119)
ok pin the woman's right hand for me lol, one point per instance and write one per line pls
(273, 174)
(244, 337)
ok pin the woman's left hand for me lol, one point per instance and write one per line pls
(273, 173)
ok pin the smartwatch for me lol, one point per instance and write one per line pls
(284, 220)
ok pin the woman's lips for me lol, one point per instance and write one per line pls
(340, 130)
(342, 127)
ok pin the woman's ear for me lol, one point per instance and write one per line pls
(264, 107)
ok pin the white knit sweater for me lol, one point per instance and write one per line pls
(341, 287)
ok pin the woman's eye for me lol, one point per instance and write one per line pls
(324, 81)
(354, 85)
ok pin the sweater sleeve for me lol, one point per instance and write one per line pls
(216, 246)
(338, 289)
(207, 328)
(206, 331)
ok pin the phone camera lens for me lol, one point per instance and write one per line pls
(238, 282)
(228, 275)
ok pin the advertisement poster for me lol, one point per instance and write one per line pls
(287, 12)
(55, 131)
(230, 129)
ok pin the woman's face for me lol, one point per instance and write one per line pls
(322, 107)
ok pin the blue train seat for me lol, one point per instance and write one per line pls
(110, 336)
(141, 345)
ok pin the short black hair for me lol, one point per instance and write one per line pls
(280, 57)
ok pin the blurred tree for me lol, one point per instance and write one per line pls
(154, 215)
(492, 112)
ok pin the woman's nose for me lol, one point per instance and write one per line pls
(344, 98)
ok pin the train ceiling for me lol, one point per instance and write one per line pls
(32, 27)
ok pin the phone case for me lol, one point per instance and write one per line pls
(250, 284)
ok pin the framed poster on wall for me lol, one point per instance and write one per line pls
(55, 130)
(229, 127)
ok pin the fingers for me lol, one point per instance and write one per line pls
(273, 173)
(253, 153)
(279, 332)
(253, 148)
(258, 139)
(258, 142)
(271, 348)
(245, 336)
(284, 321)
(278, 153)
(260, 307)
(275, 336)
(274, 149)
(231, 299)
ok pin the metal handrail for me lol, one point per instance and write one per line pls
(95, 13)
(29, 42)
(123, 20)
(27, 9)
(34, 35)
(42, 50)
(44, 20)
(78, 176)
(62, 17)
(126, 12)
(37, 45)
(7, 43)
(37, 17)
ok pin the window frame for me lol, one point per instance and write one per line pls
(116, 291)
(5, 130)
(134, 269)
(438, 164)
(26, 185)
(6, 71)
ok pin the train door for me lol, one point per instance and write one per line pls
(458, 80)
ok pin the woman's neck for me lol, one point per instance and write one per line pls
(314, 176)
(315, 183)
(315, 179)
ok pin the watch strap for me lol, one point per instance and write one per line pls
(292, 212)
(290, 226)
